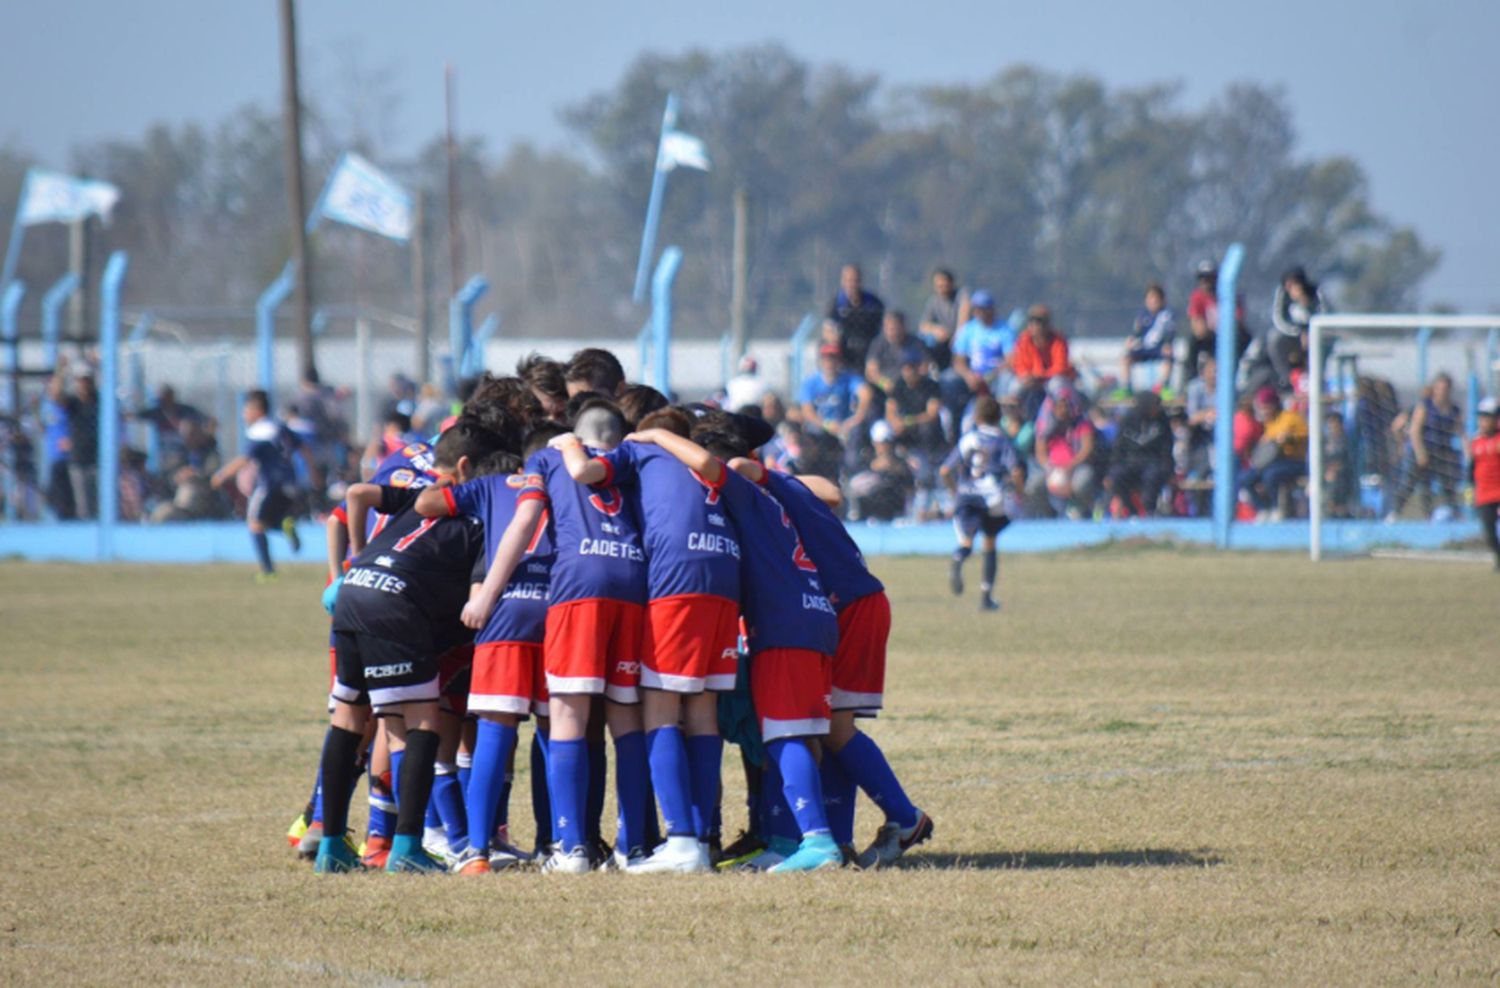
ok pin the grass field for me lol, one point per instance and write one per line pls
(1152, 767)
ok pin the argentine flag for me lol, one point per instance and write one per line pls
(52, 197)
(679, 149)
(361, 195)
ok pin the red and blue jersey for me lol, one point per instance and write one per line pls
(521, 615)
(783, 603)
(596, 532)
(841, 566)
(692, 546)
(410, 466)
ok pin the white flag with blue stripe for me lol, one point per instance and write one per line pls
(679, 149)
(361, 195)
(52, 197)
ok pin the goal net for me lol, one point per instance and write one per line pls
(1387, 428)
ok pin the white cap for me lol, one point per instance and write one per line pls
(1488, 406)
(881, 432)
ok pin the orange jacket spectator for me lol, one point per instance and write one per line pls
(1041, 352)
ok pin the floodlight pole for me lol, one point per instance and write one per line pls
(296, 196)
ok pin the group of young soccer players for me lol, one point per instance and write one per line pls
(578, 550)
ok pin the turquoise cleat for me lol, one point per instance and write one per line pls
(407, 856)
(335, 856)
(814, 854)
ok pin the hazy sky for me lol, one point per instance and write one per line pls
(1407, 88)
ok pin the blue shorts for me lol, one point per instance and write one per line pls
(971, 516)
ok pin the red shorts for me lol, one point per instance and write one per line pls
(508, 678)
(790, 687)
(594, 646)
(690, 643)
(859, 663)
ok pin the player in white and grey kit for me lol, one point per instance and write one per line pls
(983, 470)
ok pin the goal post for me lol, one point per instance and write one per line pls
(1401, 344)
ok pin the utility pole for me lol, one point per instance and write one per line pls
(419, 289)
(296, 200)
(738, 296)
(78, 263)
(455, 248)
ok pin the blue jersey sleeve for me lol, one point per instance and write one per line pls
(620, 464)
(471, 498)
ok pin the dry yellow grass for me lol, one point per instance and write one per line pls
(1150, 768)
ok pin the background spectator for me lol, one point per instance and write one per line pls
(1066, 451)
(1338, 467)
(1140, 459)
(830, 397)
(1040, 356)
(940, 319)
(891, 350)
(1150, 343)
(1277, 460)
(857, 314)
(1433, 455)
(746, 387)
(83, 458)
(981, 345)
(882, 490)
(1297, 301)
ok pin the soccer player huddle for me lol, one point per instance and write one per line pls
(578, 550)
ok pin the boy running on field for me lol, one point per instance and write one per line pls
(270, 445)
(792, 632)
(396, 612)
(979, 470)
(593, 634)
(692, 625)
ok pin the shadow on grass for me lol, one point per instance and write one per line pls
(1146, 857)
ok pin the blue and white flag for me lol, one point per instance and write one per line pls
(52, 197)
(679, 149)
(361, 195)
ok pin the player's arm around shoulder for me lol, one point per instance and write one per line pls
(581, 467)
(361, 499)
(687, 452)
(435, 501)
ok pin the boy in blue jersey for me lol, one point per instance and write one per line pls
(508, 679)
(395, 613)
(792, 631)
(270, 445)
(692, 625)
(851, 757)
(982, 469)
(593, 631)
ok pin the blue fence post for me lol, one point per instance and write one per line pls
(10, 305)
(1424, 342)
(52, 303)
(109, 402)
(461, 323)
(653, 206)
(796, 365)
(661, 318)
(1224, 357)
(265, 327)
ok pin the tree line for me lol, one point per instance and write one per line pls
(1038, 186)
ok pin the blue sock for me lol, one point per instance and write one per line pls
(705, 758)
(262, 551)
(465, 771)
(866, 765)
(397, 757)
(433, 819)
(568, 780)
(317, 799)
(382, 809)
(838, 798)
(502, 814)
(630, 789)
(776, 816)
(541, 799)
(800, 784)
(669, 774)
(492, 746)
(448, 798)
(597, 780)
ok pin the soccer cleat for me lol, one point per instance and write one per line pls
(335, 857)
(956, 577)
(769, 857)
(289, 529)
(620, 860)
(312, 837)
(296, 830)
(375, 852)
(745, 847)
(472, 862)
(988, 603)
(264, 578)
(600, 855)
(407, 855)
(574, 862)
(435, 843)
(504, 854)
(849, 856)
(680, 855)
(892, 840)
(815, 853)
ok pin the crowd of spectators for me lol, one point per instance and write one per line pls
(881, 413)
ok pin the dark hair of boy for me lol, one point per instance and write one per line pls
(576, 403)
(259, 399)
(599, 369)
(987, 411)
(540, 435)
(400, 420)
(639, 400)
(469, 438)
(725, 445)
(671, 418)
(510, 393)
(503, 462)
(543, 374)
(466, 386)
(601, 421)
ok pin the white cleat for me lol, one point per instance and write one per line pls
(574, 862)
(435, 843)
(679, 855)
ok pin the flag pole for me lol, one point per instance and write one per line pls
(653, 208)
(17, 231)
